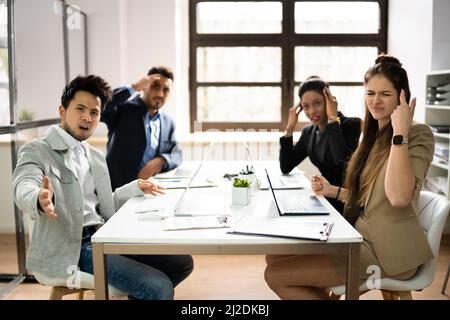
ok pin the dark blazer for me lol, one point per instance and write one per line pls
(127, 140)
(330, 155)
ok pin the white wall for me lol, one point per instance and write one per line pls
(126, 38)
(39, 57)
(409, 39)
(441, 35)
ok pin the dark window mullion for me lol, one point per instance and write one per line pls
(350, 40)
(242, 42)
(288, 60)
(238, 84)
(287, 40)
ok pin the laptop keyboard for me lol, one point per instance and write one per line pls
(290, 204)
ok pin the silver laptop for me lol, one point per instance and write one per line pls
(298, 204)
(177, 207)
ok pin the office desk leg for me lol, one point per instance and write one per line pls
(352, 287)
(101, 285)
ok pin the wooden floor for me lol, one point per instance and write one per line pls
(216, 277)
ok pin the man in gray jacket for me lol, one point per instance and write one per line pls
(63, 184)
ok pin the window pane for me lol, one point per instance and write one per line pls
(337, 17)
(4, 77)
(3, 19)
(239, 17)
(334, 63)
(239, 64)
(239, 104)
(4, 109)
(76, 42)
(350, 101)
(39, 58)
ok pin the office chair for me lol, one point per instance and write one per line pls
(59, 285)
(433, 212)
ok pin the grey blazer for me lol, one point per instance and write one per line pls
(56, 243)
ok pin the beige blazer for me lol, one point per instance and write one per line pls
(397, 236)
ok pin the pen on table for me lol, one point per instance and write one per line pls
(148, 210)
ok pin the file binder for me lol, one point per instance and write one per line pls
(297, 228)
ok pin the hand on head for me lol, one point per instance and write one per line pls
(331, 103)
(145, 82)
(403, 114)
(293, 117)
(45, 198)
(149, 186)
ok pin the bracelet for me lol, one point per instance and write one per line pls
(339, 191)
(334, 118)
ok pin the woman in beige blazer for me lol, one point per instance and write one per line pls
(382, 186)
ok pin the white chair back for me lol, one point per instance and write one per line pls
(433, 211)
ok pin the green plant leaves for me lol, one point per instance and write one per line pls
(241, 183)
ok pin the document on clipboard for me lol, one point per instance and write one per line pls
(189, 223)
(281, 227)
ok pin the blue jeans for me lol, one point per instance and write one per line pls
(146, 277)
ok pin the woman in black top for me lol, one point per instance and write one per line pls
(328, 142)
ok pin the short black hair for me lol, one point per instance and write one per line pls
(166, 72)
(312, 83)
(93, 84)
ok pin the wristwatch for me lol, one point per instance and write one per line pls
(399, 139)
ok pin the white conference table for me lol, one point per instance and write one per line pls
(128, 232)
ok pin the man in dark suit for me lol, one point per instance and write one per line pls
(141, 138)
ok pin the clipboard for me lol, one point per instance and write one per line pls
(296, 228)
(189, 223)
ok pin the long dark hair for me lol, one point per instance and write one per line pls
(375, 140)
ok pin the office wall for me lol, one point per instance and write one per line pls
(126, 38)
(39, 57)
(441, 35)
(410, 36)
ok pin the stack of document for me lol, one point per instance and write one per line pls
(441, 151)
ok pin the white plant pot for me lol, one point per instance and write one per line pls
(250, 177)
(240, 196)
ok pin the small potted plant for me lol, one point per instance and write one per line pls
(241, 192)
(247, 173)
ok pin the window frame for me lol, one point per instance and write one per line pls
(287, 40)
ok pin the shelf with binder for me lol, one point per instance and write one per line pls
(437, 116)
(439, 163)
(442, 135)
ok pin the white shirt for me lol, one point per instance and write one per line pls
(79, 165)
